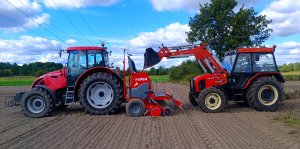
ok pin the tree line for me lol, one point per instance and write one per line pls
(290, 67)
(31, 69)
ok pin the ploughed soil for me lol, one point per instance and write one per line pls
(237, 127)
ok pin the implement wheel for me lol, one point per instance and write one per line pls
(135, 107)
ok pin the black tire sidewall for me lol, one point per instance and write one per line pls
(261, 106)
(204, 93)
(98, 77)
(133, 102)
(27, 96)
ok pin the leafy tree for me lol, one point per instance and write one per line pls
(6, 73)
(39, 73)
(223, 29)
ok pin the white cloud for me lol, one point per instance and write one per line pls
(71, 41)
(13, 16)
(77, 3)
(29, 49)
(288, 52)
(285, 15)
(171, 35)
(191, 5)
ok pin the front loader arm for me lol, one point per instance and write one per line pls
(201, 53)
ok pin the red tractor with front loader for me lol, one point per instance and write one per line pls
(90, 80)
(247, 75)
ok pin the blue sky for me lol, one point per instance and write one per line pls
(34, 30)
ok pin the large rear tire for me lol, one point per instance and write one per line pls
(100, 93)
(192, 99)
(265, 94)
(37, 103)
(212, 100)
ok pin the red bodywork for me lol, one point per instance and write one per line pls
(54, 80)
(85, 48)
(218, 77)
(151, 101)
(153, 108)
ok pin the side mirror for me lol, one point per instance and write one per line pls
(110, 53)
(59, 53)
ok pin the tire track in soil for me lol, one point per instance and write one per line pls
(75, 132)
(42, 136)
(266, 129)
(201, 133)
(125, 136)
(97, 141)
(100, 128)
(240, 131)
(235, 135)
(29, 132)
(136, 139)
(112, 134)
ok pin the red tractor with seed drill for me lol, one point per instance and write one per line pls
(247, 75)
(90, 80)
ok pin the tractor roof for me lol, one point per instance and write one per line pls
(251, 50)
(255, 50)
(86, 48)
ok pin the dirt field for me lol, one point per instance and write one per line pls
(237, 127)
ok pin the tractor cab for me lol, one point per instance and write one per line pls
(83, 58)
(244, 63)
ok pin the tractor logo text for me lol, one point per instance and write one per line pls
(141, 79)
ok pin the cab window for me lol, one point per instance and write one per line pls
(263, 62)
(95, 58)
(77, 59)
(243, 63)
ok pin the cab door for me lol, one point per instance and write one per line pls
(242, 70)
(77, 64)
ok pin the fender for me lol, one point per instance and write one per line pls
(50, 91)
(277, 75)
(94, 70)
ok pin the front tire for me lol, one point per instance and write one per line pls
(36, 104)
(265, 94)
(212, 100)
(100, 93)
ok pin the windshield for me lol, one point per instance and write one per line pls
(228, 61)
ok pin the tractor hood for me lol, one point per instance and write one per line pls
(55, 73)
(53, 80)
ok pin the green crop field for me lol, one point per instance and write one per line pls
(16, 81)
(159, 79)
(291, 76)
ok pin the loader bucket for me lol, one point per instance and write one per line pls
(151, 58)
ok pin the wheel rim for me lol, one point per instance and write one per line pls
(100, 95)
(36, 104)
(267, 95)
(135, 108)
(213, 101)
